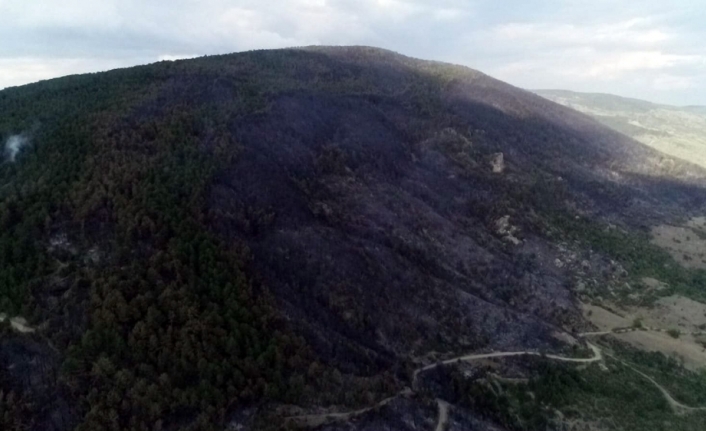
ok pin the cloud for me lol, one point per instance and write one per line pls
(648, 49)
(67, 13)
(18, 71)
(654, 56)
(616, 65)
(632, 32)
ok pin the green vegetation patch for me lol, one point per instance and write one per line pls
(612, 398)
(172, 327)
(686, 386)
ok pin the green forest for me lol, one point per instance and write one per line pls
(164, 323)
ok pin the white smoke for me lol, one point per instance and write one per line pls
(13, 145)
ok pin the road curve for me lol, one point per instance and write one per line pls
(319, 419)
(443, 415)
(677, 407)
(597, 356)
(315, 420)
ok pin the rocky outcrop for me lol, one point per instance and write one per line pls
(498, 163)
(506, 230)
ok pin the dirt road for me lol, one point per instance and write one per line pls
(677, 407)
(597, 356)
(318, 419)
(443, 415)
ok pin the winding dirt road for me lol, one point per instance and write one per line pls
(677, 407)
(443, 406)
(597, 356)
(318, 419)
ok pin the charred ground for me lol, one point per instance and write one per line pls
(198, 238)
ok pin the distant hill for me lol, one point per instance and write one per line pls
(675, 131)
(696, 109)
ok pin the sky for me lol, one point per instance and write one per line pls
(646, 49)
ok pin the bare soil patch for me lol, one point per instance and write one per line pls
(605, 320)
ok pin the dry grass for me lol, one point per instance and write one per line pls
(684, 347)
(674, 312)
(653, 284)
(604, 319)
(698, 224)
(677, 312)
(686, 244)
